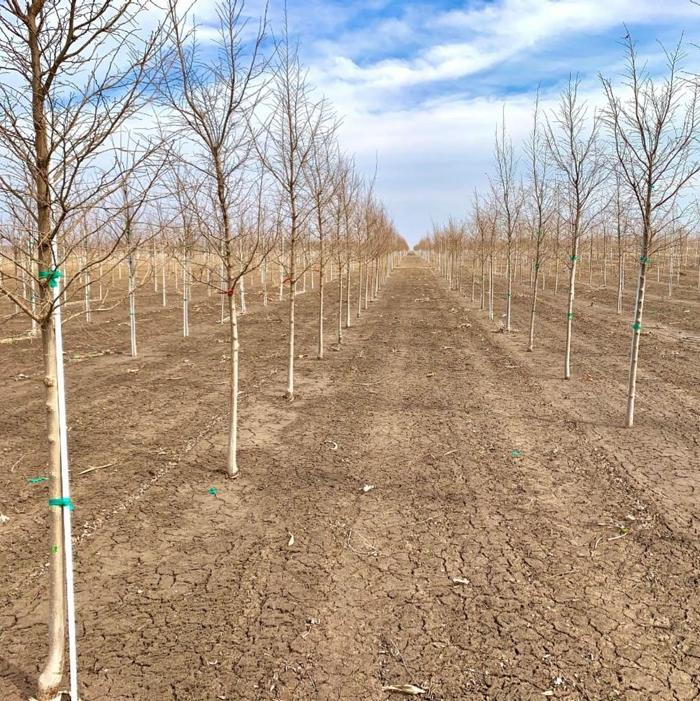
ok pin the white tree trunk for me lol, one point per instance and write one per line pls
(232, 458)
(347, 295)
(132, 305)
(186, 279)
(290, 350)
(163, 285)
(636, 334)
(244, 309)
(320, 307)
(52, 673)
(509, 293)
(570, 311)
(340, 303)
(491, 286)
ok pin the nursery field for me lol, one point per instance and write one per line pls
(437, 507)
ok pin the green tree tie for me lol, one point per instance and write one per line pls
(62, 501)
(51, 276)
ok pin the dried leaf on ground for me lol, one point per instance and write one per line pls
(405, 689)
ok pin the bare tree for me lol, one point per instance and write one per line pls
(572, 140)
(322, 184)
(71, 75)
(508, 194)
(539, 206)
(486, 223)
(211, 99)
(290, 134)
(654, 129)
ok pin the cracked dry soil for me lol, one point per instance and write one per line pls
(517, 542)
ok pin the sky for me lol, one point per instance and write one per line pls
(421, 86)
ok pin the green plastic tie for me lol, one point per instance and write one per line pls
(645, 260)
(516, 454)
(51, 276)
(573, 258)
(37, 480)
(637, 326)
(62, 501)
(54, 549)
(569, 315)
(213, 491)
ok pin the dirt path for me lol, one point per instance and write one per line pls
(504, 551)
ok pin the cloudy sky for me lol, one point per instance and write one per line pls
(421, 85)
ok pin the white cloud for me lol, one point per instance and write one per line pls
(422, 89)
(495, 32)
(433, 151)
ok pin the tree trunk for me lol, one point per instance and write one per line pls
(163, 282)
(52, 673)
(263, 277)
(636, 334)
(232, 458)
(509, 294)
(290, 350)
(473, 278)
(86, 296)
(570, 310)
(347, 295)
(620, 280)
(132, 305)
(533, 307)
(320, 303)
(186, 299)
(244, 309)
(482, 290)
(367, 277)
(340, 302)
(491, 287)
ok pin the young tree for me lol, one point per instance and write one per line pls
(572, 141)
(211, 96)
(485, 219)
(539, 209)
(508, 194)
(654, 126)
(290, 133)
(322, 183)
(71, 75)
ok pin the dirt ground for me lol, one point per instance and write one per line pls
(517, 543)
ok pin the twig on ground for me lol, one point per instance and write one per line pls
(97, 467)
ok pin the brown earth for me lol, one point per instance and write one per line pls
(518, 543)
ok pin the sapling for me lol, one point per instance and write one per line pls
(71, 75)
(508, 195)
(654, 126)
(286, 152)
(573, 143)
(212, 103)
(539, 206)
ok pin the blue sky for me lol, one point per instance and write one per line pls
(421, 85)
